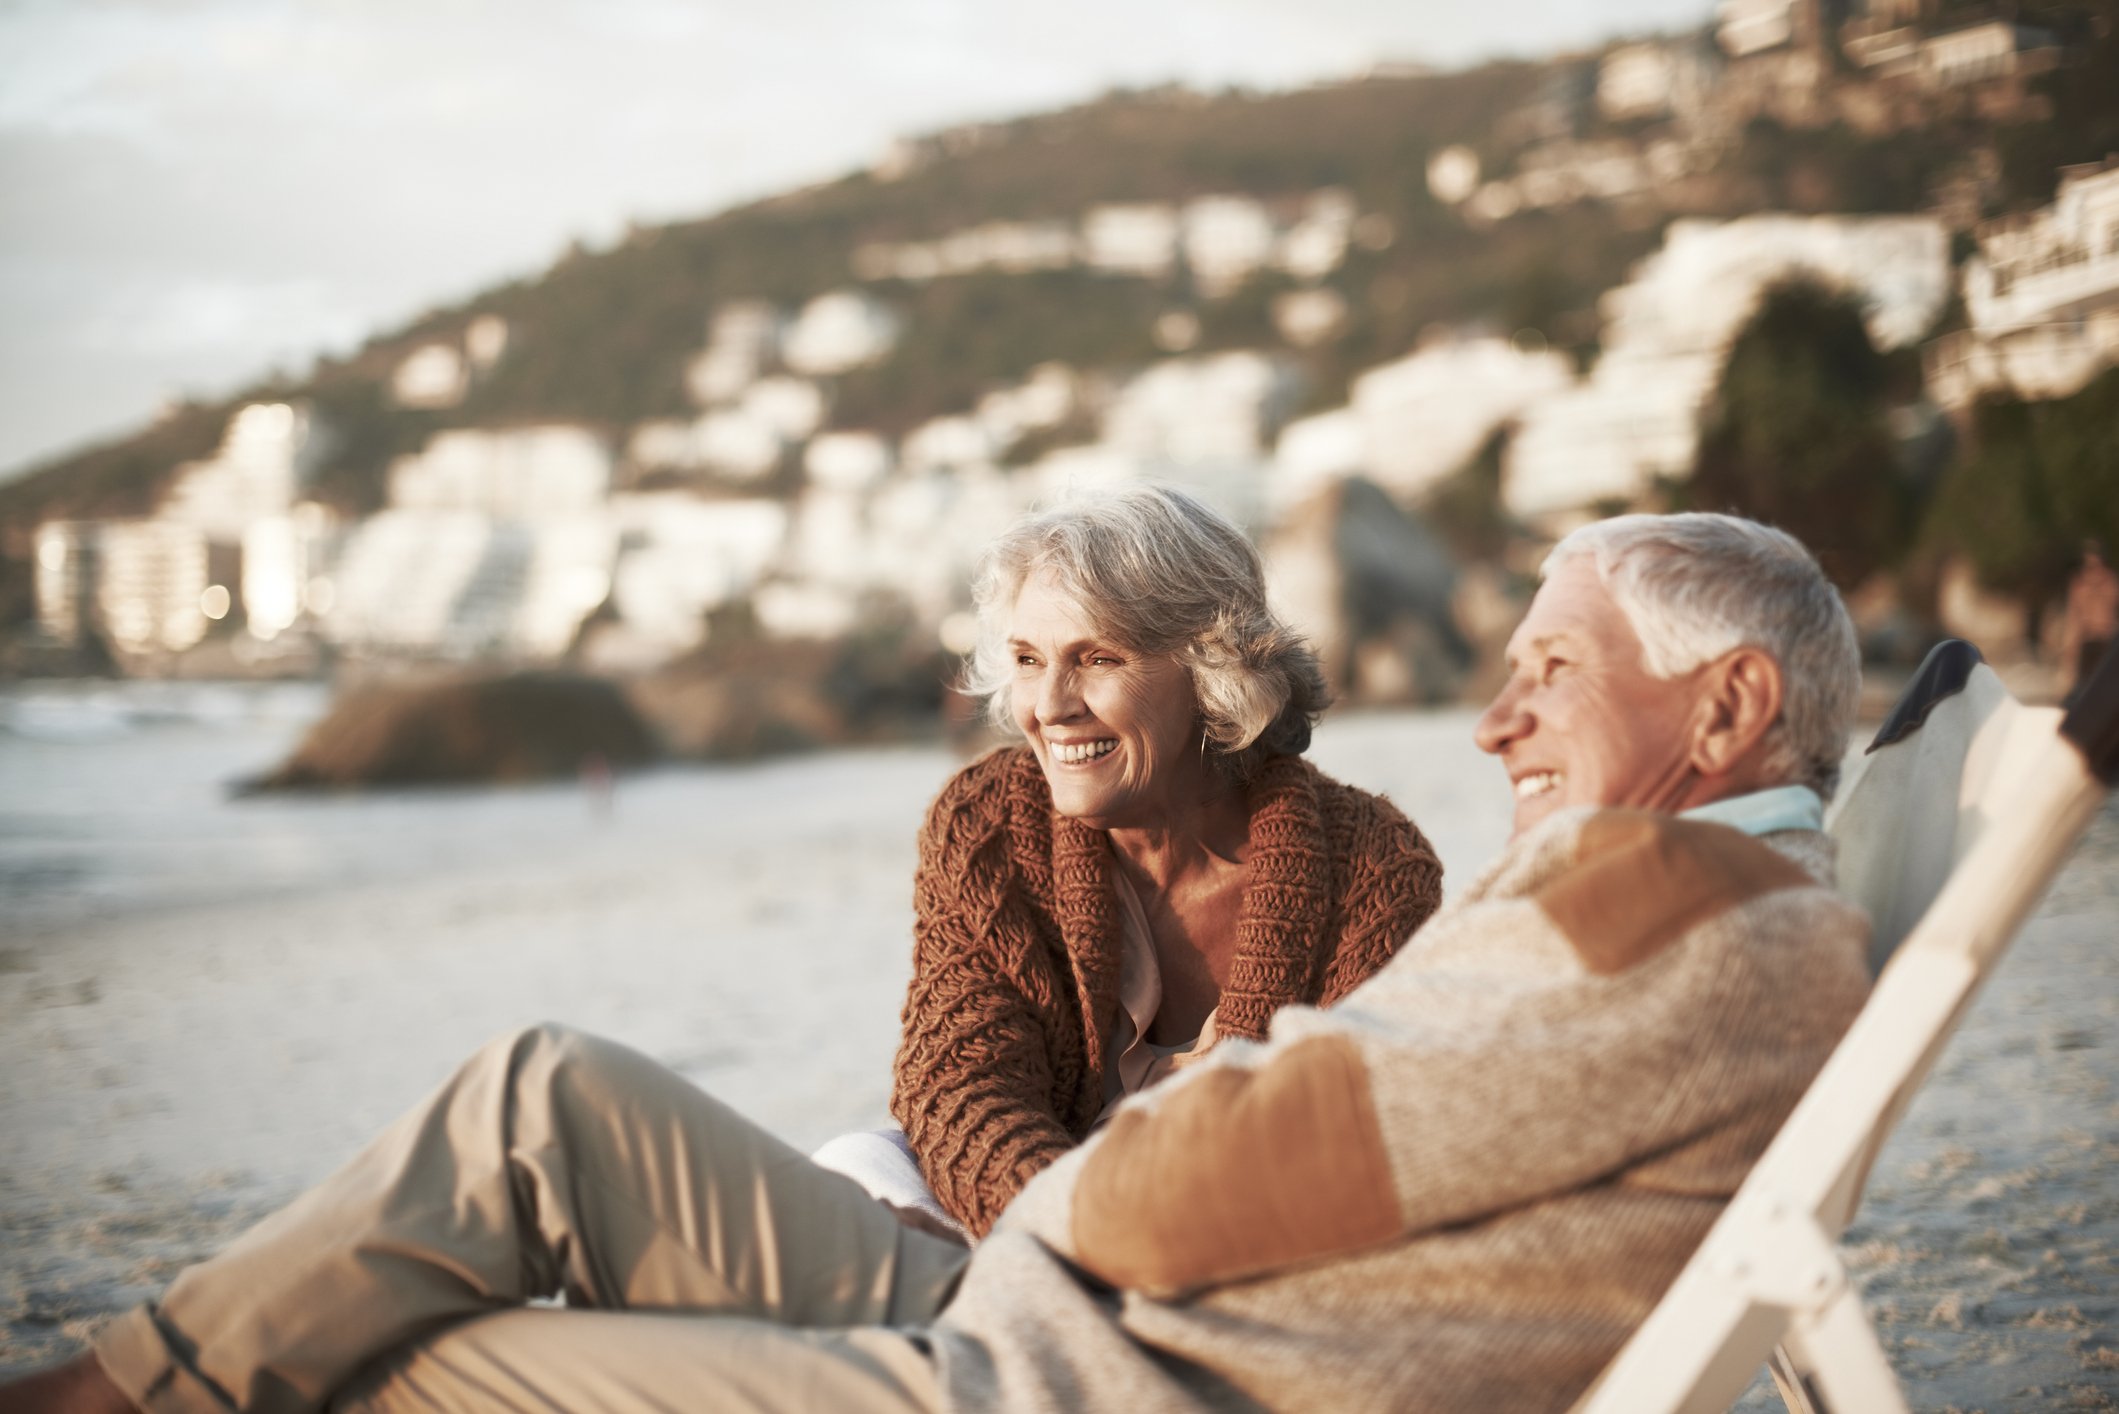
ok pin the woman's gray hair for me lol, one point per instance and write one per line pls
(1697, 585)
(1161, 573)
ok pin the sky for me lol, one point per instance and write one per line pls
(194, 192)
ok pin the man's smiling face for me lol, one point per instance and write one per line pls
(1581, 721)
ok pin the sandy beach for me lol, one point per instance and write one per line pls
(207, 1003)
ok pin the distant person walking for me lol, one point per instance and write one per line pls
(597, 784)
(2092, 615)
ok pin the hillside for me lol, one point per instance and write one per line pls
(603, 337)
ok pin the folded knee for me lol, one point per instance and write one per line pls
(514, 1048)
(561, 1063)
(532, 1055)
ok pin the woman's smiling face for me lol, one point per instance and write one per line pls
(1117, 731)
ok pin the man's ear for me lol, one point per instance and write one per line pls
(1740, 701)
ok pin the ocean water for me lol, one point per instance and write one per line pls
(118, 798)
(207, 1002)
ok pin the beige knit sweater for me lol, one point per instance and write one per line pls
(1462, 1187)
(1017, 952)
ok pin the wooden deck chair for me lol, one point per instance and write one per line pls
(1960, 814)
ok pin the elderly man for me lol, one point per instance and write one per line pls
(1460, 1188)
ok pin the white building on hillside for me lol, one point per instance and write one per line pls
(1885, 49)
(1754, 26)
(792, 407)
(287, 562)
(431, 376)
(1316, 244)
(485, 341)
(66, 581)
(1135, 239)
(1314, 452)
(1453, 174)
(566, 576)
(497, 543)
(828, 539)
(661, 444)
(518, 473)
(439, 374)
(456, 584)
(1011, 246)
(151, 584)
(141, 582)
(1980, 53)
(926, 534)
(952, 443)
(1306, 318)
(1046, 399)
(1065, 472)
(1668, 331)
(1222, 408)
(405, 583)
(2042, 298)
(1227, 239)
(735, 444)
(1652, 79)
(740, 440)
(1410, 423)
(838, 332)
(1564, 171)
(681, 557)
(742, 340)
(1204, 422)
(264, 457)
(847, 461)
(1635, 81)
(1224, 238)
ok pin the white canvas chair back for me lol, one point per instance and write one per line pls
(1964, 836)
(1911, 805)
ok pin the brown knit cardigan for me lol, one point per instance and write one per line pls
(1016, 955)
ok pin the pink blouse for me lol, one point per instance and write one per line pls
(1135, 1062)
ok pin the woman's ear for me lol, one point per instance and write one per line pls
(1741, 694)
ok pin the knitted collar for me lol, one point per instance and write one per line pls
(1282, 928)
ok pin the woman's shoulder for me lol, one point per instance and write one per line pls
(1003, 785)
(1003, 776)
(1336, 800)
(1380, 839)
(1388, 878)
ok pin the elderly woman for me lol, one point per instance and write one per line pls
(1154, 868)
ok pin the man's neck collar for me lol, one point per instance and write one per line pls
(1761, 812)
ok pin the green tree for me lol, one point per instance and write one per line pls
(2032, 482)
(1797, 437)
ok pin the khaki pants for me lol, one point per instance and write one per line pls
(705, 1264)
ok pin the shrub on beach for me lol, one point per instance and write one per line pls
(512, 727)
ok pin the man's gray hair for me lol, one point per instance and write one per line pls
(1696, 586)
(1161, 573)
